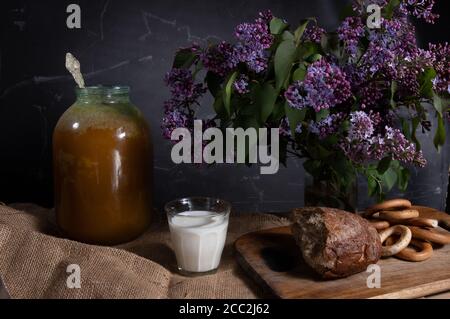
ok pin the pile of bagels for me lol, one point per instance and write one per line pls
(403, 232)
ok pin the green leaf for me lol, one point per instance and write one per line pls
(278, 111)
(439, 137)
(246, 108)
(315, 57)
(214, 82)
(322, 152)
(389, 9)
(300, 73)
(265, 98)
(277, 26)
(247, 122)
(388, 179)
(374, 183)
(405, 128)
(403, 179)
(284, 58)
(301, 29)
(229, 91)
(426, 83)
(219, 107)
(414, 125)
(393, 91)
(307, 50)
(372, 186)
(287, 36)
(198, 68)
(294, 116)
(343, 167)
(384, 165)
(440, 104)
(184, 59)
(313, 167)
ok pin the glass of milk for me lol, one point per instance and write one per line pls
(198, 228)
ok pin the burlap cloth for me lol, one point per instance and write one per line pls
(33, 261)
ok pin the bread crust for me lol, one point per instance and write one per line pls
(335, 243)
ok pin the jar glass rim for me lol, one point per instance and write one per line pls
(103, 90)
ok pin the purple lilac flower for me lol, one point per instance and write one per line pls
(241, 84)
(256, 59)
(361, 126)
(182, 86)
(295, 95)
(325, 86)
(392, 143)
(285, 128)
(392, 55)
(174, 118)
(265, 17)
(391, 45)
(185, 92)
(355, 75)
(371, 94)
(401, 36)
(407, 80)
(357, 152)
(379, 59)
(254, 40)
(377, 119)
(314, 34)
(401, 149)
(327, 126)
(441, 64)
(255, 35)
(422, 9)
(350, 32)
(219, 59)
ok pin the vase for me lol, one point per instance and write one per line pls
(102, 156)
(325, 193)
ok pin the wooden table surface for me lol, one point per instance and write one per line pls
(32, 217)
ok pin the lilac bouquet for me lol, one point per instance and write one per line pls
(349, 102)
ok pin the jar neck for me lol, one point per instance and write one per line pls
(103, 94)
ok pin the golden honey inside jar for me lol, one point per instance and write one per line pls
(102, 168)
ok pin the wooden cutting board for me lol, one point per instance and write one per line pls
(273, 260)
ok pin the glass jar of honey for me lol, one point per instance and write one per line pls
(102, 156)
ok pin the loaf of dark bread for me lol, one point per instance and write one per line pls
(335, 243)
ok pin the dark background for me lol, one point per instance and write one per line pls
(132, 43)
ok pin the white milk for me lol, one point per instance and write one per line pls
(198, 239)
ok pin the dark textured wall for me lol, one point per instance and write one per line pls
(132, 42)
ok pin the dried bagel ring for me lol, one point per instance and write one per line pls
(421, 222)
(410, 254)
(402, 243)
(431, 235)
(379, 224)
(389, 205)
(399, 215)
(442, 218)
